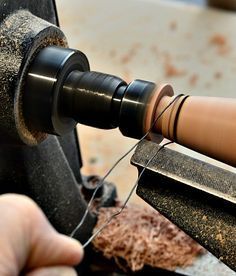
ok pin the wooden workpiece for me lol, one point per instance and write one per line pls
(203, 124)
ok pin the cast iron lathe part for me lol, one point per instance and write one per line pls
(61, 91)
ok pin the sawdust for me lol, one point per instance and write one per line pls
(173, 25)
(218, 75)
(193, 79)
(131, 53)
(221, 43)
(218, 40)
(219, 238)
(172, 71)
(141, 236)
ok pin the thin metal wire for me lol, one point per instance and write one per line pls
(101, 182)
(127, 199)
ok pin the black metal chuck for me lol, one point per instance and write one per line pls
(61, 91)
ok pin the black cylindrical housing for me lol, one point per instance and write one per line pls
(134, 107)
(44, 81)
(61, 91)
(105, 101)
(91, 98)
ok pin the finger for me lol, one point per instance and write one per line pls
(14, 236)
(48, 247)
(53, 271)
(53, 249)
(28, 240)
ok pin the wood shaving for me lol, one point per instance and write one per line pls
(172, 71)
(221, 42)
(193, 79)
(131, 53)
(218, 75)
(218, 40)
(141, 236)
(173, 25)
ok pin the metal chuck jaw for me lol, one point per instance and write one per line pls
(61, 91)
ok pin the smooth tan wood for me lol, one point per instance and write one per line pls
(204, 124)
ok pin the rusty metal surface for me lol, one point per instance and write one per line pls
(196, 196)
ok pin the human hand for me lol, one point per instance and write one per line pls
(30, 245)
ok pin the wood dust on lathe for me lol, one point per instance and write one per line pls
(142, 236)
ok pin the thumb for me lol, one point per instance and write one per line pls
(28, 241)
(51, 248)
(48, 247)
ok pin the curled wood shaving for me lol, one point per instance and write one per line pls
(141, 236)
